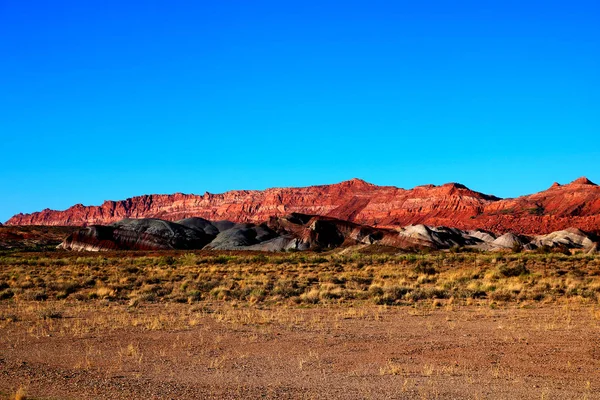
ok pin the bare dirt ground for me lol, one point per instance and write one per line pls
(176, 351)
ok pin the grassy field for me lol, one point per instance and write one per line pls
(219, 325)
(300, 279)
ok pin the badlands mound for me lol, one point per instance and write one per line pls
(304, 232)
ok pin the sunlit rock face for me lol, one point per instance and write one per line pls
(453, 205)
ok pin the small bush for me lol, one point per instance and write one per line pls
(6, 294)
(425, 267)
(37, 295)
(502, 295)
(510, 271)
(50, 314)
(167, 260)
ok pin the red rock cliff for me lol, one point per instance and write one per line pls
(576, 204)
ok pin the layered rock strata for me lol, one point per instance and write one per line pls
(560, 207)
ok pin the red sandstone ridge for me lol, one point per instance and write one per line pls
(574, 205)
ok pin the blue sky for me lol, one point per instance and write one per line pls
(111, 99)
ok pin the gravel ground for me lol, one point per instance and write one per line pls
(221, 352)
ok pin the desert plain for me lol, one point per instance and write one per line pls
(343, 324)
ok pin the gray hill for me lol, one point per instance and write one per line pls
(302, 232)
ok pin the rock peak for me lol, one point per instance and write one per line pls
(356, 182)
(582, 181)
(455, 185)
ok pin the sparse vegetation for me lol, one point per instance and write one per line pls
(297, 278)
(220, 314)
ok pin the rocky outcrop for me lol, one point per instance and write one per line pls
(509, 241)
(561, 206)
(304, 232)
(137, 234)
(571, 238)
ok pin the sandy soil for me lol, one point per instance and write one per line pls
(216, 350)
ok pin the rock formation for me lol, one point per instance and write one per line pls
(304, 232)
(561, 206)
(137, 234)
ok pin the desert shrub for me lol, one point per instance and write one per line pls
(105, 292)
(35, 295)
(287, 288)
(510, 271)
(502, 295)
(333, 278)
(258, 259)
(27, 284)
(544, 249)
(392, 295)
(427, 293)
(375, 290)
(220, 293)
(312, 296)
(396, 292)
(194, 295)
(425, 267)
(577, 272)
(6, 294)
(50, 313)
(9, 317)
(221, 260)
(167, 260)
(517, 247)
(330, 291)
(64, 288)
(207, 285)
(360, 279)
(91, 282)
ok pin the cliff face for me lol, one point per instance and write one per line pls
(574, 205)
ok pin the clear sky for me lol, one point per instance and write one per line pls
(111, 99)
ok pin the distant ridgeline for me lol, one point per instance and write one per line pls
(453, 205)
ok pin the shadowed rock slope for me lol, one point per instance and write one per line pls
(560, 207)
(303, 232)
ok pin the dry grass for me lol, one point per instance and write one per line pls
(299, 279)
(21, 394)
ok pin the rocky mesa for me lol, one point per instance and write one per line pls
(576, 204)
